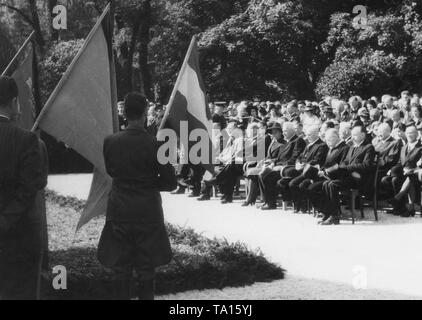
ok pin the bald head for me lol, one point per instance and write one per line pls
(312, 133)
(332, 138)
(384, 131)
(411, 134)
(289, 130)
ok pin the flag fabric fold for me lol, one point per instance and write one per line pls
(81, 110)
(188, 104)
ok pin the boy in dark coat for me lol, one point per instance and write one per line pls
(134, 238)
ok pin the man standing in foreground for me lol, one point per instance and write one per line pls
(21, 177)
(134, 238)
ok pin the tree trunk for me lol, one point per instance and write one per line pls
(54, 32)
(6, 51)
(132, 49)
(36, 23)
(144, 39)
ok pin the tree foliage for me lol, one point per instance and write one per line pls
(273, 49)
(383, 57)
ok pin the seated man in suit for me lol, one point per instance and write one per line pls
(353, 172)
(387, 148)
(253, 169)
(229, 168)
(307, 167)
(337, 152)
(409, 157)
(289, 153)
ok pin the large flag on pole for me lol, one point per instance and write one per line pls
(188, 105)
(81, 111)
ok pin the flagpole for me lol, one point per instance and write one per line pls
(69, 69)
(179, 78)
(6, 71)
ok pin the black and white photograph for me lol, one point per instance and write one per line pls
(224, 153)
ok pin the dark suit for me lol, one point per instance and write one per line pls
(313, 155)
(134, 236)
(392, 184)
(388, 152)
(359, 160)
(312, 188)
(288, 154)
(20, 179)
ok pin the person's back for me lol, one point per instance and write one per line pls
(21, 177)
(15, 145)
(131, 160)
(134, 237)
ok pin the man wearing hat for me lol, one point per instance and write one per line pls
(218, 116)
(309, 118)
(363, 114)
(253, 170)
(21, 176)
(328, 114)
(288, 154)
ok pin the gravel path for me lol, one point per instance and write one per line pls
(292, 288)
(322, 262)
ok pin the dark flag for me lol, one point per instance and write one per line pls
(81, 111)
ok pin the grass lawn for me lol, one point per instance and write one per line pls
(199, 263)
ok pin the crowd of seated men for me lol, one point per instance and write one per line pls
(314, 152)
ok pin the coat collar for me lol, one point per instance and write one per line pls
(131, 128)
(360, 149)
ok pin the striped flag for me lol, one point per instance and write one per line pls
(188, 105)
(81, 111)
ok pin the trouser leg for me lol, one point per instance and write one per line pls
(145, 283)
(122, 280)
(268, 187)
(317, 196)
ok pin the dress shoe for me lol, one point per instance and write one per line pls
(226, 201)
(268, 207)
(260, 205)
(323, 219)
(204, 198)
(407, 214)
(331, 221)
(179, 191)
(194, 195)
(248, 203)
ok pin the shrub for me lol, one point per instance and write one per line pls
(198, 263)
(355, 77)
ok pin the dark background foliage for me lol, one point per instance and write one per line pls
(268, 49)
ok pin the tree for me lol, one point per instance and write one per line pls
(386, 53)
